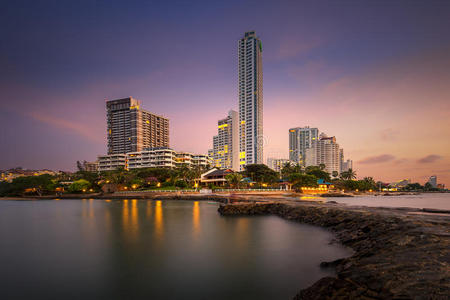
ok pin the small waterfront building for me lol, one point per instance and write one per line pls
(215, 177)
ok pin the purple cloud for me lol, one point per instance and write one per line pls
(429, 159)
(377, 159)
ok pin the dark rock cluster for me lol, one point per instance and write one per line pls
(397, 254)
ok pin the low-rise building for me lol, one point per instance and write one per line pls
(159, 157)
(112, 162)
(215, 177)
(201, 160)
(91, 166)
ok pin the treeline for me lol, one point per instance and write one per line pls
(93, 182)
(254, 176)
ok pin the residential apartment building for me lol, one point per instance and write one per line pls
(131, 128)
(325, 151)
(158, 157)
(346, 165)
(277, 164)
(301, 139)
(225, 152)
(250, 100)
(112, 162)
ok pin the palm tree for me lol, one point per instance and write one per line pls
(234, 179)
(351, 174)
(348, 175)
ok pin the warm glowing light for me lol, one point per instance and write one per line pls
(159, 219)
(158, 184)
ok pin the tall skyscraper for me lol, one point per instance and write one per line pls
(132, 129)
(301, 139)
(250, 100)
(226, 143)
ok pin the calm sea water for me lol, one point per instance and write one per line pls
(139, 249)
(426, 200)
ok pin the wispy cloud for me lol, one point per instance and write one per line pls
(290, 48)
(429, 159)
(377, 159)
(388, 134)
(75, 127)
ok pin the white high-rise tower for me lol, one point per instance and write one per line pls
(250, 100)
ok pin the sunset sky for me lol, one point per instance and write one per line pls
(375, 74)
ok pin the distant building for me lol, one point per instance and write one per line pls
(90, 166)
(277, 164)
(250, 100)
(132, 129)
(301, 139)
(400, 184)
(325, 151)
(433, 181)
(11, 174)
(225, 152)
(346, 165)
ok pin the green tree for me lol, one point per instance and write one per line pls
(234, 179)
(348, 175)
(261, 173)
(181, 184)
(302, 180)
(318, 172)
(81, 185)
(289, 169)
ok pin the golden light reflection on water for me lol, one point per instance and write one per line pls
(134, 217)
(196, 218)
(311, 198)
(159, 226)
(91, 209)
(125, 215)
(149, 209)
(242, 238)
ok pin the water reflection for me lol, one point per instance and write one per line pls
(149, 209)
(157, 250)
(159, 226)
(196, 219)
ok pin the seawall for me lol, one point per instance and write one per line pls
(398, 254)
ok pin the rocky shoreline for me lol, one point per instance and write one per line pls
(398, 254)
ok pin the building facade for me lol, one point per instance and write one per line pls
(158, 157)
(250, 100)
(346, 165)
(301, 139)
(112, 162)
(433, 181)
(277, 164)
(225, 152)
(325, 151)
(132, 129)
